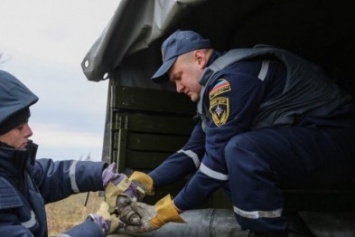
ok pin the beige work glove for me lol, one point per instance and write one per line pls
(144, 182)
(135, 187)
(107, 222)
(154, 217)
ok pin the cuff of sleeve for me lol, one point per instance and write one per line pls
(87, 228)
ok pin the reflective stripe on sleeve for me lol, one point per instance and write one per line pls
(258, 214)
(213, 174)
(264, 69)
(72, 171)
(31, 222)
(192, 155)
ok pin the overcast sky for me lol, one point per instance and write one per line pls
(44, 42)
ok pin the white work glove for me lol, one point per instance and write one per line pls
(153, 217)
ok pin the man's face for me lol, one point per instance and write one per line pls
(185, 73)
(18, 136)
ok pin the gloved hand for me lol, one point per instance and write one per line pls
(108, 222)
(126, 212)
(143, 181)
(153, 217)
(135, 187)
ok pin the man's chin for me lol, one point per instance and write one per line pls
(193, 98)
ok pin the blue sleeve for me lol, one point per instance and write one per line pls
(87, 228)
(183, 162)
(233, 101)
(68, 177)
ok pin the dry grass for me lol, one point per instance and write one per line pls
(65, 214)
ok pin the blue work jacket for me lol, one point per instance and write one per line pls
(25, 188)
(242, 97)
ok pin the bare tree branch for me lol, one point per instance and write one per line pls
(3, 58)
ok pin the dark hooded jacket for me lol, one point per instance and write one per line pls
(27, 185)
(26, 188)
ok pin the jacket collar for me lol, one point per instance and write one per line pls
(13, 162)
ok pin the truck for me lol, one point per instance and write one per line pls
(145, 122)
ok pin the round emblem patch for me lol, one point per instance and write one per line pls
(219, 109)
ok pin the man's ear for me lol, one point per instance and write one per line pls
(201, 58)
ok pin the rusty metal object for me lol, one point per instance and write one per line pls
(125, 211)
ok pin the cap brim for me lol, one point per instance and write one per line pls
(160, 75)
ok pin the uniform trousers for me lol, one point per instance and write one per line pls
(262, 161)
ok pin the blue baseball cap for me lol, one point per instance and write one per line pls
(178, 43)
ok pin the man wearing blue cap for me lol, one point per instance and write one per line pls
(26, 184)
(268, 118)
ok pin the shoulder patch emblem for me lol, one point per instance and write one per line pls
(221, 87)
(219, 108)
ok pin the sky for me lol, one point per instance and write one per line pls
(42, 43)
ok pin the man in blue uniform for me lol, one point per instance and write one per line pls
(26, 185)
(268, 118)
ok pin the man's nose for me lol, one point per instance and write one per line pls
(29, 132)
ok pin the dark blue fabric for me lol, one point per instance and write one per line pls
(33, 186)
(8, 195)
(304, 152)
(14, 96)
(87, 228)
(262, 161)
(247, 93)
